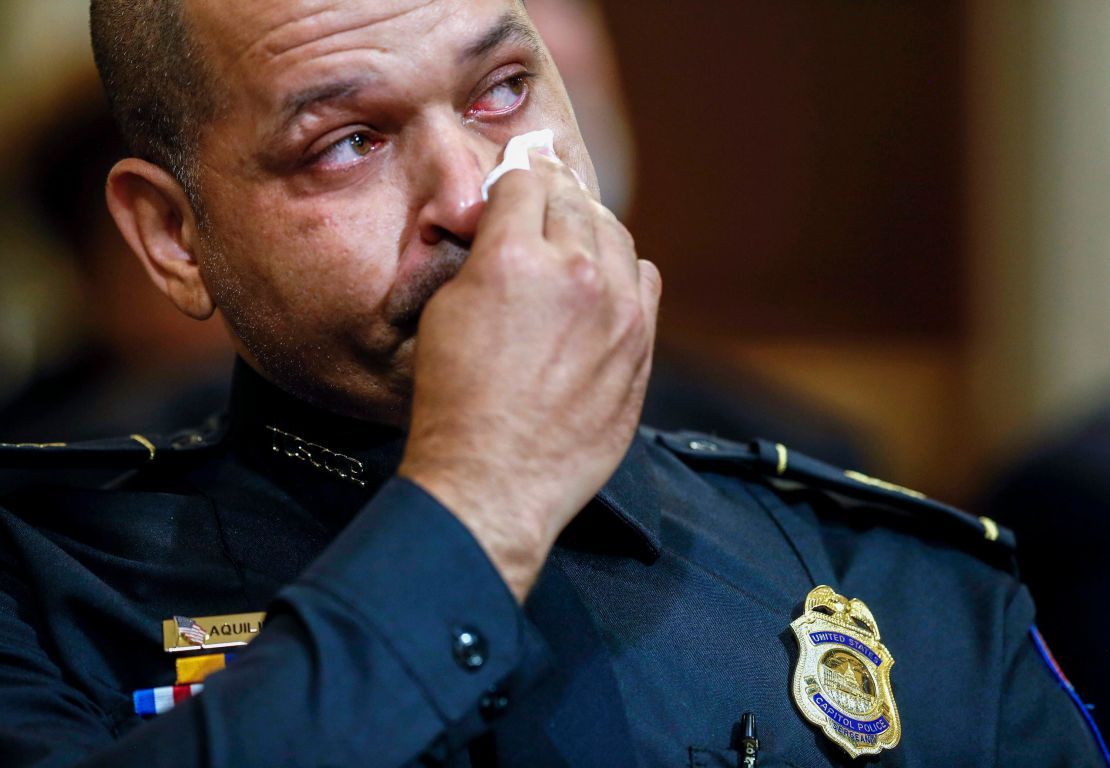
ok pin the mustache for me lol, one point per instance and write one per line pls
(407, 301)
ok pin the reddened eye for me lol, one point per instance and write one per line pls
(501, 98)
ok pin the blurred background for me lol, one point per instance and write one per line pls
(891, 216)
(883, 227)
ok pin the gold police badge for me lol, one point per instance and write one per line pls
(842, 680)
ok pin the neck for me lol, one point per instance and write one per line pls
(316, 455)
(371, 396)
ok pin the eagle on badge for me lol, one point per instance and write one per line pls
(842, 679)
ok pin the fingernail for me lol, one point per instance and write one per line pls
(578, 176)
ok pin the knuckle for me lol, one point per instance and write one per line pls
(546, 168)
(510, 253)
(604, 213)
(628, 318)
(615, 225)
(556, 167)
(585, 274)
(624, 236)
(650, 276)
(570, 205)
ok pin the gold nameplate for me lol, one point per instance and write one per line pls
(842, 680)
(182, 633)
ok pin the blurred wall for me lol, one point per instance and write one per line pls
(38, 289)
(999, 357)
(1040, 241)
(891, 208)
(803, 180)
(801, 162)
(43, 43)
(1071, 204)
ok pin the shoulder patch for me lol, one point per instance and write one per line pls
(1069, 689)
(786, 468)
(128, 452)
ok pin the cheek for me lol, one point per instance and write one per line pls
(319, 263)
(340, 255)
(556, 114)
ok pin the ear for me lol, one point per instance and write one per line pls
(156, 219)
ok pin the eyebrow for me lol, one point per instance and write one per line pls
(302, 101)
(509, 28)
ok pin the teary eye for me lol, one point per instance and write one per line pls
(350, 149)
(361, 144)
(503, 97)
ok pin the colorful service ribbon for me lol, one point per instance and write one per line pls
(155, 701)
(194, 669)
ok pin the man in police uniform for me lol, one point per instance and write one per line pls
(465, 552)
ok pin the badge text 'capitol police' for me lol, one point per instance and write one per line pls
(842, 680)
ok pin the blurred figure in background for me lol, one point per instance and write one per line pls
(1057, 501)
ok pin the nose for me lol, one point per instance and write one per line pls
(452, 169)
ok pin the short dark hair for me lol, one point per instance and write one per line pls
(157, 82)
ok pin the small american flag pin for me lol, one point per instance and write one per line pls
(190, 630)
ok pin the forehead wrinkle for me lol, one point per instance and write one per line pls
(284, 38)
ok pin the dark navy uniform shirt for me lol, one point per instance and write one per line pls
(662, 615)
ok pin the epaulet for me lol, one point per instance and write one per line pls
(122, 453)
(786, 468)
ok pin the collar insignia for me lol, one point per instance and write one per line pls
(324, 459)
(842, 679)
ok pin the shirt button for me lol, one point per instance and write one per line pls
(469, 648)
(493, 704)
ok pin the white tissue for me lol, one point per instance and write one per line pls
(516, 155)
